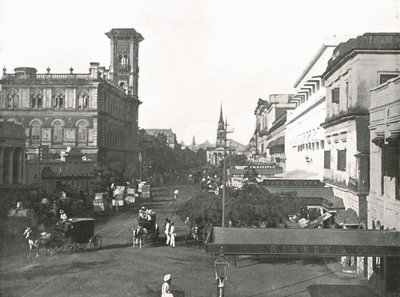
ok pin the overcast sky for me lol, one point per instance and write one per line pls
(196, 55)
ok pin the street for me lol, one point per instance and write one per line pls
(119, 270)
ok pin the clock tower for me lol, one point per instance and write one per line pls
(124, 67)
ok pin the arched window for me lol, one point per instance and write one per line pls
(82, 129)
(83, 99)
(58, 98)
(13, 98)
(36, 98)
(35, 132)
(57, 131)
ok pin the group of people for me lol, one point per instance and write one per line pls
(145, 215)
(170, 232)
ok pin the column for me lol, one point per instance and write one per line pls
(20, 166)
(1, 164)
(10, 165)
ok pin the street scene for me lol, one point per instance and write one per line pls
(200, 148)
(118, 269)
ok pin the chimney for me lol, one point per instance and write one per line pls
(94, 70)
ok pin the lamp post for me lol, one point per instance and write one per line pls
(140, 166)
(221, 271)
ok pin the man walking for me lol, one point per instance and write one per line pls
(166, 231)
(172, 234)
(176, 193)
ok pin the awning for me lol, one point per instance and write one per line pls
(280, 141)
(303, 242)
(270, 144)
(347, 217)
(321, 219)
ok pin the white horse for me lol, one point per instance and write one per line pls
(139, 236)
(44, 240)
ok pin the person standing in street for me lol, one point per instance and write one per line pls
(176, 193)
(166, 286)
(166, 230)
(172, 234)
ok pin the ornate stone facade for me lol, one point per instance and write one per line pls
(95, 112)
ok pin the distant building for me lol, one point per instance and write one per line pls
(95, 112)
(271, 117)
(171, 137)
(215, 155)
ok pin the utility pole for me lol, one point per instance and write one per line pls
(224, 173)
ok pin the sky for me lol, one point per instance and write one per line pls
(196, 55)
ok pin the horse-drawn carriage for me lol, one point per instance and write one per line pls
(79, 232)
(74, 233)
(150, 224)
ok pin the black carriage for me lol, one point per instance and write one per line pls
(78, 233)
(150, 225)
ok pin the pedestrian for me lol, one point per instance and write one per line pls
(172, 234)
(166, 231)
(176, 193)
(166, 286)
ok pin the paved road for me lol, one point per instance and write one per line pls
(119, 270)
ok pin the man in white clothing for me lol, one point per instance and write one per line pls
(166, 231)
(165, 288)
(172, 234)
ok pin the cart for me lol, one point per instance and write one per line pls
(78, 233)
(101, 202)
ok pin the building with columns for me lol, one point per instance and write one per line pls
(95, 113)
(12, 154)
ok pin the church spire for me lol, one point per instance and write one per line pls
(221, 118)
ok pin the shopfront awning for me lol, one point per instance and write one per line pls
(304, 242)
(280, 141)
(347, 217)
(270, 144)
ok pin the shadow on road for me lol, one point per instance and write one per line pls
(40, 270)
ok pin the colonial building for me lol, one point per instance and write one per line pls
(384, 193)
(304, 139)
(171, 136)
(95, 112)
(12, 154)
(355, 67)
(271, 123)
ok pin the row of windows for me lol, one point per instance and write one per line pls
(336, 91)
(341, 160)
(36, 99)
(56, 133)
(311, 146)
(116, 138)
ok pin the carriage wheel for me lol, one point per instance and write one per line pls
(59, 246)
(95, 242)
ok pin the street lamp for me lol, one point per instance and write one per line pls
(221, 271)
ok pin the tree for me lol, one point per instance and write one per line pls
(250, 206)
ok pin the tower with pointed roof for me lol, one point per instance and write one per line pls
(220, 131)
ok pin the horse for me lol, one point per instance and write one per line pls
(45, 240)
(139, 236)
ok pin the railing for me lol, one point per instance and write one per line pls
(48, 76)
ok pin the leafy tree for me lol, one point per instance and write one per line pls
(250, 206)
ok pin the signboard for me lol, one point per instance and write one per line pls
(304, 242)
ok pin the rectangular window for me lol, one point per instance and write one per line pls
(341, 160)
(327, 159)
(335, 94)
(385, 77)
(390, 160)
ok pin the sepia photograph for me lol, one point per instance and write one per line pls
(200, 148)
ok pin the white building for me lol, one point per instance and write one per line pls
(304, 142)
